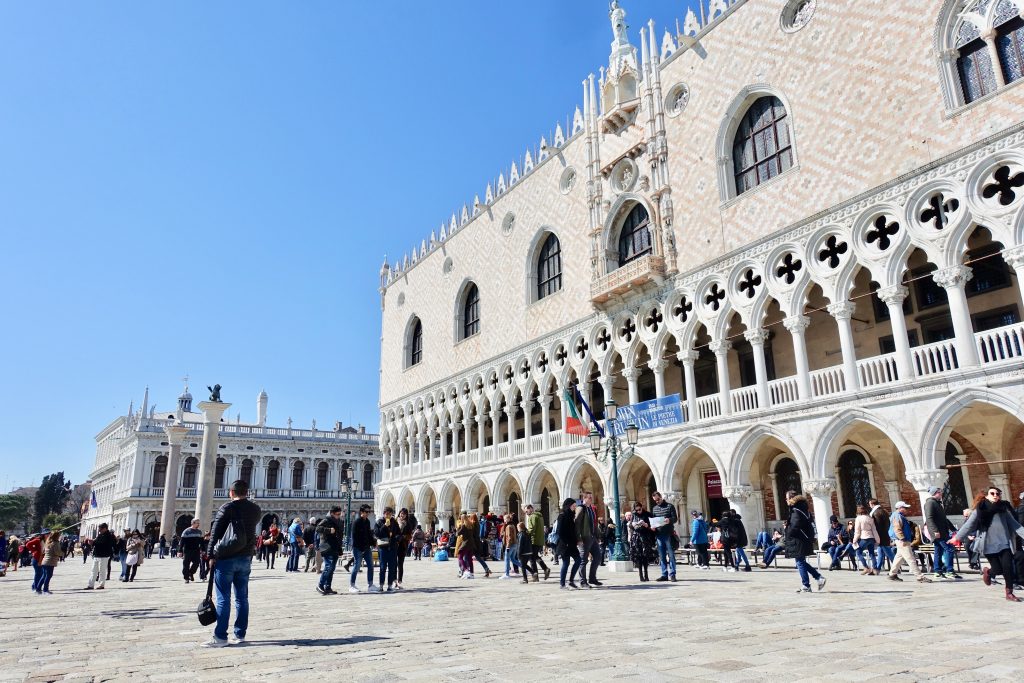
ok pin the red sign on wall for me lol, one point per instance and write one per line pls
(713, 485)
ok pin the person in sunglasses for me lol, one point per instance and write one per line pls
(994, 524)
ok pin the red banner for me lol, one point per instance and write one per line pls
(713, 485)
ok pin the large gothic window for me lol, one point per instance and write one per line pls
(273, 474)
(188, 479)
(471, 311)
(787, 478)
(367, 477)
(854, 481)
(994, 32)
(635, 236)
(297, 472)
(321, 477)
(549, 267)
(246, 473)
(218, 477)
(762, 148)
(160, 471)
(416, 343)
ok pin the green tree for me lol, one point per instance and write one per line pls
(50, 497)
(13, 510)
(60, 520)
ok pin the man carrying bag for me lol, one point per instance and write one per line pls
(232, 544)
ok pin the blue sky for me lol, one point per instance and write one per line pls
(209, 188)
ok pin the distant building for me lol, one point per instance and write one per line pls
(291, 472)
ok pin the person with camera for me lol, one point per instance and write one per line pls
(330, 534)
(232, 543)
(388, 534)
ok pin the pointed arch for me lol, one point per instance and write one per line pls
(533, 483)
(746, 448)
(940, 422)
(830, 439)
(734, 117)
(684, 450)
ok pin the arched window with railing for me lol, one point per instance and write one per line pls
(549, 267)
(218, 477)
(298, 469)
(982, 47)
(634, 235)
(367, 477)
(762, 148)
(159, 471)
(273, 474)
(321, 476)
(188, 479)
(246, 472)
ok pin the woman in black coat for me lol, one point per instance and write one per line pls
(567, 548)
(800, 541)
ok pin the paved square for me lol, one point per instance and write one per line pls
(710, 626)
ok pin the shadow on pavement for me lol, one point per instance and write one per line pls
(147, 613)
(317, 642)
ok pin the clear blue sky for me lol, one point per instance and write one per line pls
(209, 188)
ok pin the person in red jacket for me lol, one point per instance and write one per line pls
(34, 545)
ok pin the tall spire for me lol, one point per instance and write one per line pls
(145, 403)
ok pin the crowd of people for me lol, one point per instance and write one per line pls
(579, 541)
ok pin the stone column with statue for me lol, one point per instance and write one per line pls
(213, 410)
(175, 436)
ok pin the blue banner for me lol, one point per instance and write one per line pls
(660, 412)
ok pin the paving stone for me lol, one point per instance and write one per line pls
(444, 629)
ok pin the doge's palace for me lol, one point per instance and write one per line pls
(803, 218)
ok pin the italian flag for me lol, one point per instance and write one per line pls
(573, 423)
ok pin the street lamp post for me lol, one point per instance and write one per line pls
(611, 449)
(346, 490)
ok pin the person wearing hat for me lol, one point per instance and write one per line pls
(699, 539)
(940, 529)
(901, 532)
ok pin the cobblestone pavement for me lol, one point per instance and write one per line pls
(710, 626)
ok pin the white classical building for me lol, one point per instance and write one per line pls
(291, 472)
(805, 218)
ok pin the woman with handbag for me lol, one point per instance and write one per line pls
(405, 529)
(387, 533)
(466, 538)
(994, 525)
(270, 541)
(641, 540)
(135, 547)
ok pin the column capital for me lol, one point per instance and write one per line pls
(842, 310)
(658, 365)
(175, 434)
(894, 295)
(954, 276)
(1014, 257)
(672, 497)
(820, 487)
(738, 493)
(213, 411)
(720, 347)
(528, 405)
(496, 414)
(756, 336)
(687, 357)
(796, 324)
(922, 480)
(631, 374)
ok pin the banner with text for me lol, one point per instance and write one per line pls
(659, 412)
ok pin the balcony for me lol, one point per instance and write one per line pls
(189, 492)
(635, 274)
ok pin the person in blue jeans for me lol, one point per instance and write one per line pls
(294, 537)
(774, 547)
(663, 538)
(800, 541)
(881, 519)
(330, 533)
(231, 562)
(387, 532)
(940, 529)
(362, 543)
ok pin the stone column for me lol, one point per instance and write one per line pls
(738, 497)
(1014, 257)
(820, 491)
(631, 375)
(442, 435)
(678, 501)
(989, 36)
(893, 489)
(468, 440)
(954, 281)
(212, 412)
(175, 435)
(1001, 482)
(527, 424)
(443, 519)
(893, 298)
(658, 368)
(687, 358)
(924, 479)
(545, 417)
(481, 434)
(721, 351)
(757, 338)
(796, 325)
(842, 311)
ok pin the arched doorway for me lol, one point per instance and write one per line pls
(183, 522)
(514, 505)
(545, 506)
(787, 478)
(954, 492)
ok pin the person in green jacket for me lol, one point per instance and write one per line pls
(535, 527)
